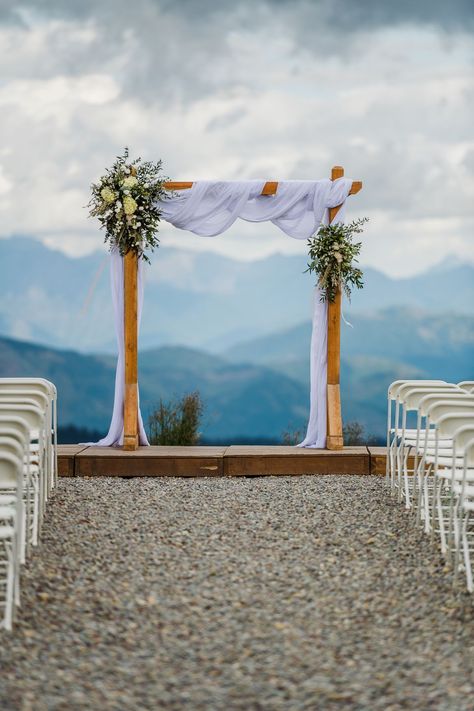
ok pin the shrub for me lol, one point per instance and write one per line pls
(353, 433)
(176, 423)
(292, 437)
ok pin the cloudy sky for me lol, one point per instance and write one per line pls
(244, 89)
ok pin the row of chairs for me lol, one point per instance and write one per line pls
(430, 462)
(28, 474)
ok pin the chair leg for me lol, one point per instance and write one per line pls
(9, 592)
(467, 554)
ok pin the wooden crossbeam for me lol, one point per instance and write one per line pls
(270, 187)
(334, 420)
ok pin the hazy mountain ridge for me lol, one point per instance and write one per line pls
(240, 399)
(260, 388)
(242, 349)
(441, 343)
(196, 299)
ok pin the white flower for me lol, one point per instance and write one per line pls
(130, 182)
(129, 205)
(107, 195)
(338, 257)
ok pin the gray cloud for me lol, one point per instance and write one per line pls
(242, 90)
(173, 50)
(351, 14)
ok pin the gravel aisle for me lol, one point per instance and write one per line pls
(209, 594)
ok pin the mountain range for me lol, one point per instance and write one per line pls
(238, 332)
(259, 389)
(196, 299)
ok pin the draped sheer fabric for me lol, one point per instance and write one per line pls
(208, 209)
(114, 436)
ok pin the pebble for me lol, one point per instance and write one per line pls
(209, 594)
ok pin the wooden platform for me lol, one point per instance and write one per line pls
(80, 460)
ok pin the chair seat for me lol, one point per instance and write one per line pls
(442, 452)
(412, 435)
(7, 512)
(468, 490)
(6, 532)
(442, 461)
(447, 474)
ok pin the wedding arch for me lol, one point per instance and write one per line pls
(209, 208)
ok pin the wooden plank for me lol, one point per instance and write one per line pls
(130, 407)
(294, 461)
(251, 460)
(66, 458)
(151, 461)
(378, 460)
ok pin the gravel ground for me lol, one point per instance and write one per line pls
(208, 594)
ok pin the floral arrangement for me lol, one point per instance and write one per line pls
(125, 200)
(332, 255)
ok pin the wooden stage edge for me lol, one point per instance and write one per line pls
(236, 460)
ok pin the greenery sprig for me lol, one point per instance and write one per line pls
(332, 255)
(125, 201)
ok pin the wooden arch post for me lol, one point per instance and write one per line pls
(130, 323)
(130, 276)
(334, 438)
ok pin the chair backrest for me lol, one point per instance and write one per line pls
(413, 397)
(12, 445)
(448, 407)
(42, 384)
(469, 454)
(27, 396)
(31, 414)
(394, 387)
(11, 471)
(404, 390)
(13, 424)
(463, 436)
(467, 385)
(448, 424)
(429, 400)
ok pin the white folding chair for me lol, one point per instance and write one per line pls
(431, 449)
(465, 522)
(398, 451)
(452, 476)
(17, 427)
(393, 423)
(409, 398)
(14, 446)
(446, 460)
(11, 479)
(34, 418)
(424, 446)
(49, 389)
(467, 385)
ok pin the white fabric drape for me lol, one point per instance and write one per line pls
(209, 208)
(298, 207)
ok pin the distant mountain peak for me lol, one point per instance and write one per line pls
(452, 261)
